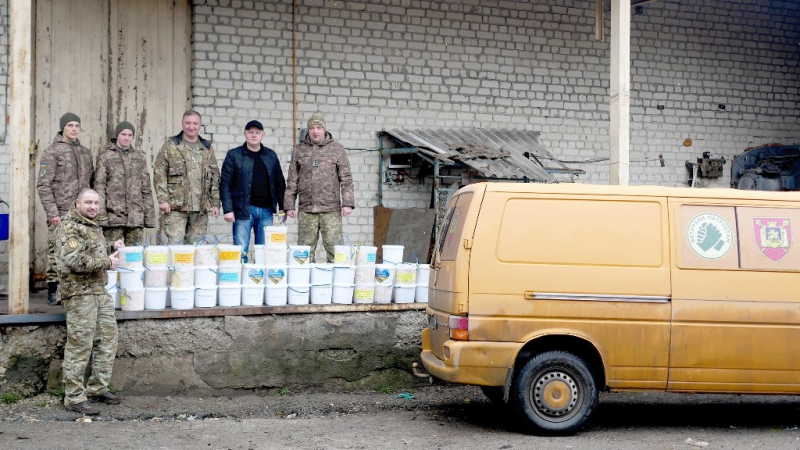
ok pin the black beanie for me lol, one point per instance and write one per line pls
(67, 118)
(123, 126)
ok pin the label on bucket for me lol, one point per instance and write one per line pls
(371, 257)
(277, 237)
(155, 258)
(229, 277)
(133, 257)
(228, 256)
(381, 275)
(184, 257)
(256, 275)
(364, 294)
(340, 257)
(406, 276)
(276, 276)
(301, 256)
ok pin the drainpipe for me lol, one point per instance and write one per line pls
(294, 73)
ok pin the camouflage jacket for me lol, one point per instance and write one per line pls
(317, 175)
(64, 170)
(81, 256)
(123, 182)
(171, 175)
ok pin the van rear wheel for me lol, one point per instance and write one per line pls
(554, 393)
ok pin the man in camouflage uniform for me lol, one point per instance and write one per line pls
(66, 167)
(186, 178)
(321, 181)
(83, 260)
(123, 183)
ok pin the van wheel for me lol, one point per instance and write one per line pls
(493, 393)
(554, 393)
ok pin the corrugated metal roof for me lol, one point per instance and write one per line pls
(515, 142)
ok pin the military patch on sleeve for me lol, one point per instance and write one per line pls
(73, 243)
(42, 169)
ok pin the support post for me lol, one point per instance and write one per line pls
(619, 151)
(21, 148)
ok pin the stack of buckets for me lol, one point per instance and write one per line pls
(131, 278)
(230, 275)
(272, 256)
(182, 276)
(111, 287)
(344, 274)
(364, 289)
(156, 276)
(299, 278)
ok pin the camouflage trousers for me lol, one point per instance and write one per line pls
(91, 333)
(309, 226)
(131, 236)
(52, 267)
(185, 227)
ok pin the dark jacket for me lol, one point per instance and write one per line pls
(236, 180)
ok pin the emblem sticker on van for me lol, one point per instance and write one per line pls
(773, 236)
(709, 236)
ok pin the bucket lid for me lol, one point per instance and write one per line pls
(253, 266)
(205, 286)
(274, 286)
(205, 267)
(343, 285)
(130, 269)
(229, 286)
(181, 289)
(156, 289)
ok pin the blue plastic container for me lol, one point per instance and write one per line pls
(4, 223)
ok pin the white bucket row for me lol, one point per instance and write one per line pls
(162, 256)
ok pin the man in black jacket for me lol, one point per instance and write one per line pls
(251, 187)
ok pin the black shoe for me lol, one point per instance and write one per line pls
(109, 398)
(85, 408)
(52, 293)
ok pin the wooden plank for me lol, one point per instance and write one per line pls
(45, 125)
(181, 56)
(620, 92)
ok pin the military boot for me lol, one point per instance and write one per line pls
(52, 292)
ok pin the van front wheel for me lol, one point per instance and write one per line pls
(554, 393)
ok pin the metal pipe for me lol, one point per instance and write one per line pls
(294, 74)
(22, 320)
(380, 170)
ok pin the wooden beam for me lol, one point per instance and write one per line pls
(21, 149)
(599, 22)
(619, 151)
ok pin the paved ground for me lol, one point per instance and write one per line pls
(437, 417)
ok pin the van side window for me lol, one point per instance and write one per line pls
(453, 226)
(446, 225)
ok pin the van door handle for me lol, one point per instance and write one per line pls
(530, 295)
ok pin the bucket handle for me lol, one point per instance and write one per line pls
(302, 292)
(158, 235)
(415, 258)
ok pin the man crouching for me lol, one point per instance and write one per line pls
(83, 259)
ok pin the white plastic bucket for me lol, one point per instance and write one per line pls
(230, 295)
(182, 277)
(205, 296)
(253, 275)
(112, 280)
(299, 295)
(229, 275)
(365, 275)
(344, 275)
(205, 255)
(322, 274)
(155, 298)
(276, 295)
(205, 276)
(181, 298)
(343, 255)
(156, 256)
(131, 278)
(321, 295)
(275, 275)
(384, 274)
(181, 255)
(404, 294)
(299, 275)
(366, 255)
(342, 293)
(230, 255)
(114, 293)
(423, 274)
(275, 236)
(364, 293)
(405, 274)
(131, 299)
(156, 277)
(383, 294)
(253, 295)
(393, 254)
(274, 256)
(299, 255)
(421, 294)
(131, 257)
(258, 253)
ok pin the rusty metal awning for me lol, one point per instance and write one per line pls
(493, 153)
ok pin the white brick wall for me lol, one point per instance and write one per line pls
(524, 64)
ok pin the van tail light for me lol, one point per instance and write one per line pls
(459, 328)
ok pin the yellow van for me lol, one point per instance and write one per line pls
(545, 294)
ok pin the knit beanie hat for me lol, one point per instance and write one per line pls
(124, 126)
(316, 119)
(67, 118)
